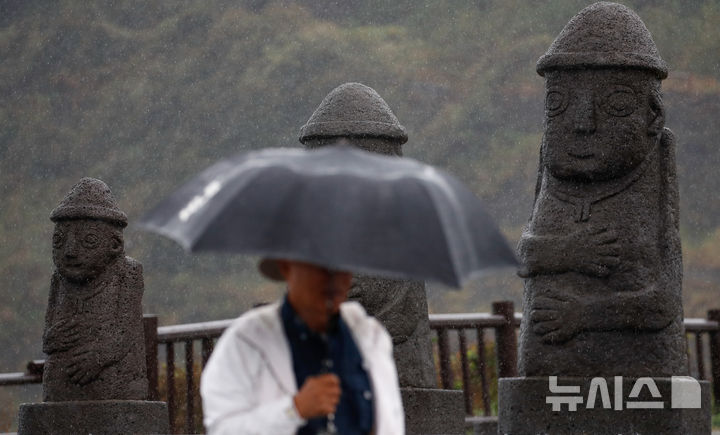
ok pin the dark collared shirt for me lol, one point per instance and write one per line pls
(354, 413)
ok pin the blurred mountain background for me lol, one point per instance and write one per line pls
(145, 94)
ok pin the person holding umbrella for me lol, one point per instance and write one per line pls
(307, 364)
(312, 361)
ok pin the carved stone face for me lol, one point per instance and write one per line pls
(83, 248)
(599, 123)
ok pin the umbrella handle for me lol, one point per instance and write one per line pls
(330, 427)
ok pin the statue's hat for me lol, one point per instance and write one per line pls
(90, 198)
(604, 34)
(353, 110)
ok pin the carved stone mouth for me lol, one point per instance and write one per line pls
(581, 156)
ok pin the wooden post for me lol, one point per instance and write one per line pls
(506, 340)
(700, 353)
(150, 324)
(206, 350)
(190, 384)
(444, 356)
(714, 315)
(170, 384)
(464, 367)
(482, 370)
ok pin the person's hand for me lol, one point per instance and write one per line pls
(318, 396)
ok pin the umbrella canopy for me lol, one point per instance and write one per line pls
(339, 207)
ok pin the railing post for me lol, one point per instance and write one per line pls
(170, 384)
(465, 369)
(714, 315)
(482, 370)
(506, 340)
(150, 324)
(190, 390)
(444, 356)
(206, 350)
(700, 353)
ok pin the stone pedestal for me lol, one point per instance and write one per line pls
(430, 411)
(107, 417)
(524, 407)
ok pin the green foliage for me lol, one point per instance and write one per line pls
(474, 369)
(180, 388)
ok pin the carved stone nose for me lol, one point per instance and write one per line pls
(71, 247)
(584, 121)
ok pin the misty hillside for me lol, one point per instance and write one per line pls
(145, 94)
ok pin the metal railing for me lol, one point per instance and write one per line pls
(495, 356)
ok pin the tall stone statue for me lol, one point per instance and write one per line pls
(601, 253)
(93, 326)
(94, 378)
(359, 115)
(356, 114)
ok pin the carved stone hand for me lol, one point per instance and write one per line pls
(556, 318)
(84, 366)
(593, 251)
(62, 335)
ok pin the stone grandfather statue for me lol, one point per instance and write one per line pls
(601, 256)
(93, 327)
(601, 252)
(356, 113)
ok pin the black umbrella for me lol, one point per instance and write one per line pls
(339, 207)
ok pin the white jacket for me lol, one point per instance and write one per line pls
(248, 384)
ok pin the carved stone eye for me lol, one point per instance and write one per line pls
(90, 241)
(555, 101)
(58, 239)
(620, 101)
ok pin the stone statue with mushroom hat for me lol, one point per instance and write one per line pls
(356, 113)
(602, 244)
(94, 376)
(93, 327)
(601, 252)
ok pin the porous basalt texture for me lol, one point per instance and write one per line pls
(601, 35)
(111, 417)
(353, 110)
(93, 334)
(601, 252)
(89, 198)
(523, 410)
(401, 306)
(94, 377)
(430, 411)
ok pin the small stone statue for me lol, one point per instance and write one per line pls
(601, 252)
(359, 115)
(93, 327)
